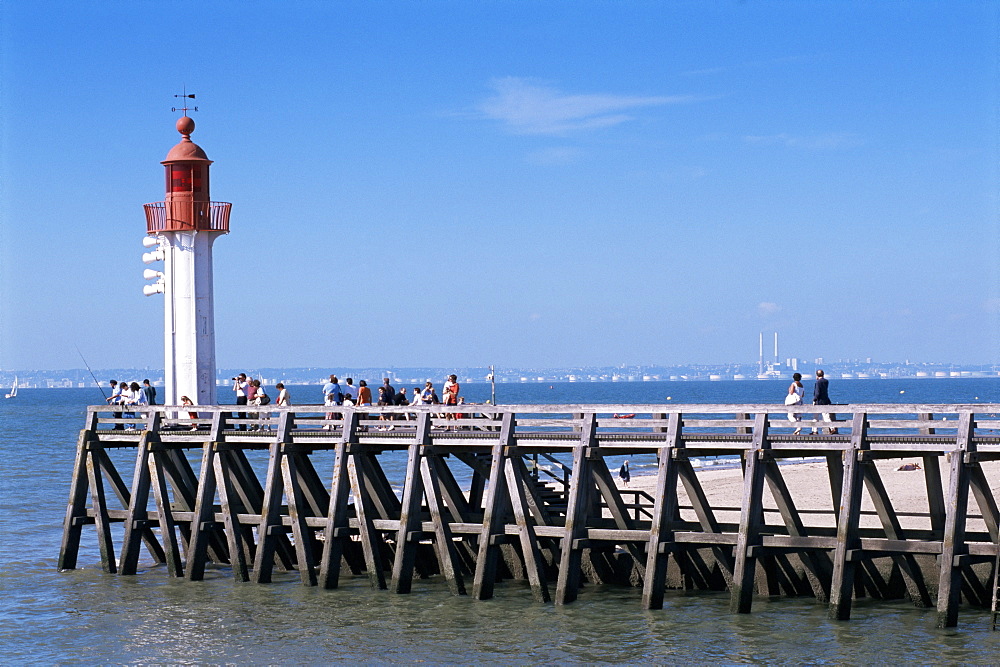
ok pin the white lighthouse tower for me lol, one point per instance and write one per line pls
(183, 228)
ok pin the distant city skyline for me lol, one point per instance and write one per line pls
(526, 184)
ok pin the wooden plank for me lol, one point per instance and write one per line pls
(409, 517)
(953, 544)
(984, 498)
(444, 546)
(168, 533)
(609, 490)
(76, 509)
(848, 519)
(337, 514)
(816, 565)
(912, 575)
(664, 510)
(136, 516)
(270, 522)
(204, 515)
(494, 514)
(570, 561)
(371, 540)
(751, 517)
(518, 480)
(297, 513)
(239, 552)
(100, 508)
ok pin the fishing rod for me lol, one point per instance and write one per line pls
(91, 373)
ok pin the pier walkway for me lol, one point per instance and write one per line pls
(527, 492)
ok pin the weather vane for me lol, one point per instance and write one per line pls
(186, 97)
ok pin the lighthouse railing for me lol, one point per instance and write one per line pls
(186, 216)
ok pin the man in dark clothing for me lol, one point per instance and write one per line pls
(390, 393)
(149, 391)
(821, 396)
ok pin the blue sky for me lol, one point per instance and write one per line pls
(516, 183)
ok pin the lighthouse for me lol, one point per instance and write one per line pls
(181, 230)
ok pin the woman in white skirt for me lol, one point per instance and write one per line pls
(794, 397)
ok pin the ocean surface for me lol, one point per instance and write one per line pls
(87, 617)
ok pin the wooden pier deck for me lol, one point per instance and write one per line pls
(526, 492)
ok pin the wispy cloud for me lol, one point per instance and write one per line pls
(525, 106)
(768, 308)
(553, 157)
(813, 142)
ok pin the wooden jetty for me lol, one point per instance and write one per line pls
(526, 492)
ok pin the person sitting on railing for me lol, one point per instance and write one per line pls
(191, 415)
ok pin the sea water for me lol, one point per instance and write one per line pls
(86, 616)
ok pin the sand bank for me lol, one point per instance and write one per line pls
(809, 485)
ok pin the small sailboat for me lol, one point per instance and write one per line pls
(13, 389)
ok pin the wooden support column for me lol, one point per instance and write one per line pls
(494, 516)
(935, 487)
(571, 556)
(848, 519)
(98, 499)
(913, 577)
(270, 518)
(168, 528)
(305, 561)
(203, 524)
(76, 510)
(240, 542)
(816, 564)
(444, 546)
(136, 516)
(953, 547)
(409, 532)
(371, 540)
(751, 517)
(337, 531)
(518, 481)
(616, 505)
(664, 510)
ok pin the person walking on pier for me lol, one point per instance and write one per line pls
(451, 388)
(794, 397)
(284, 398)
(821, 396)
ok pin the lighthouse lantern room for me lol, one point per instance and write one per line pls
(182, 228)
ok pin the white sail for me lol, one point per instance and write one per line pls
(13, 389)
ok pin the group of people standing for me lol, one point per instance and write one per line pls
(130, 394)
(821, 396)
(335, 394)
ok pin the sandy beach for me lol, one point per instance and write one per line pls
(809, 485)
